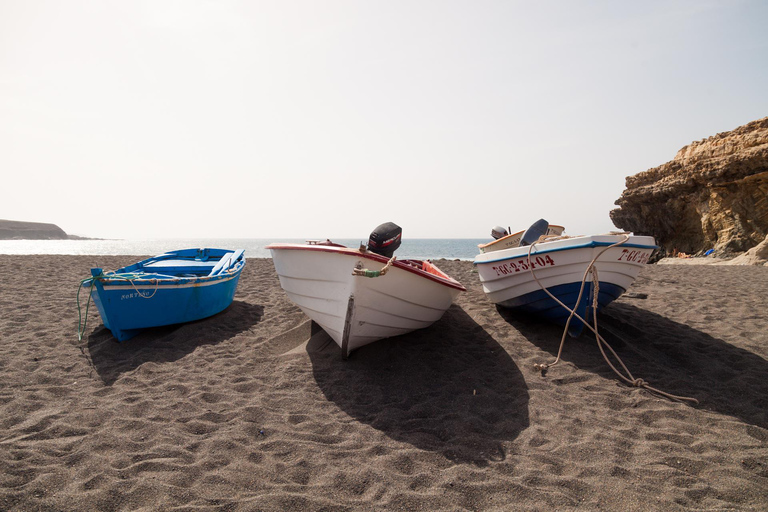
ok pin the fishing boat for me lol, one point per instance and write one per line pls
(520, 278)
(172, 288)
(504, 240)
(361, 295)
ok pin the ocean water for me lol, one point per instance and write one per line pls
(416, 248)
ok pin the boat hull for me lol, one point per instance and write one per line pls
(356, 310)
(129, 306)
(560, 267)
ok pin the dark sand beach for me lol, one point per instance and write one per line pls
(236, 412)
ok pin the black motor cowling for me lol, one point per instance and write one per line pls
(532, 234)
(385, 239)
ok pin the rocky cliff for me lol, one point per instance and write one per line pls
(712, 195)
(13, 229)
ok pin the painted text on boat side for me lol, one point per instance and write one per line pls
(636, 256)
(523, 265)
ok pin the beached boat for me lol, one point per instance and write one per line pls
(362, 295)
(509, 277)
(172, 288)
(507, 241)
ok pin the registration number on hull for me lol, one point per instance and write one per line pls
(523, 265)
(634, 256)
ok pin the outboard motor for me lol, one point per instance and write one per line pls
(532, 234)
(498, 232)
(385, 239)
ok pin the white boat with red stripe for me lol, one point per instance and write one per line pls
(359, 296)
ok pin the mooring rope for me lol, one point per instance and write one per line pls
(80, 323)
(130, 277)
(591, 269)
(362, 272)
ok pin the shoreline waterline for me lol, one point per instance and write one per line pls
(416, 248)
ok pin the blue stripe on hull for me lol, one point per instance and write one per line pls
(538, 303)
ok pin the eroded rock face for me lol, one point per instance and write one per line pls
(712, 195)
(13, 229)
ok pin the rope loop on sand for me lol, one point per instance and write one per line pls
(362, 272)
(627, 377)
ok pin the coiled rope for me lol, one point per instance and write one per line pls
(89, 281)
(627, 377)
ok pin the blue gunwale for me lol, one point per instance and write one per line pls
(148, 281)
(588, 245)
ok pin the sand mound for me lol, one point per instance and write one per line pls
(757, 255)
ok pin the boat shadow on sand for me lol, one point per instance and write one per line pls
(449, 388)
(668, 355)
(110, 358)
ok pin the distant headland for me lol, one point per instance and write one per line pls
(18, 230)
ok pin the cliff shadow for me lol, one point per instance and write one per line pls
(111, 358)
(670, 356)
(449, 388)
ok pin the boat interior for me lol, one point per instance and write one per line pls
(175, 265)
(424, 266)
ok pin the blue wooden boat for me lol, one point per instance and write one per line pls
(172, 288)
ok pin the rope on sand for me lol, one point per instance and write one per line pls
(627, 376)
(362, 272)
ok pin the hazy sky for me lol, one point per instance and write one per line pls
(279, 119)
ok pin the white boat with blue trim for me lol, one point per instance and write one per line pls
(516, 278)
(361, 295)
